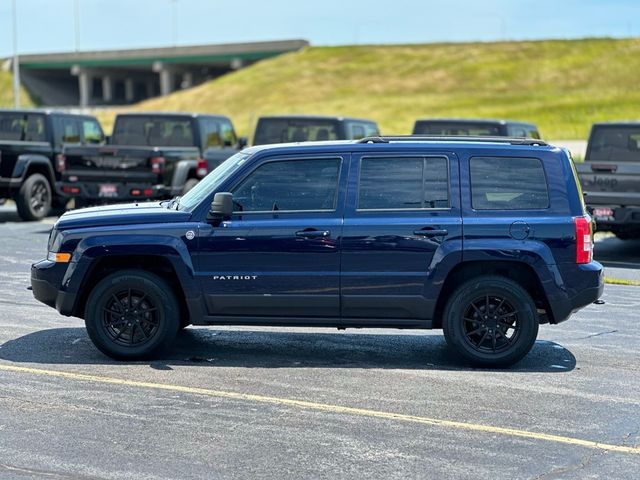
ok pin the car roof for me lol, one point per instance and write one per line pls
(314, 117)
(618, 123)
(476, 121)
(172, 114)
(43, 111)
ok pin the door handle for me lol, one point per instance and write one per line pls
(313, 233)
(431, 232)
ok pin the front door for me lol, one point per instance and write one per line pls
(402, 219)
(279, 255)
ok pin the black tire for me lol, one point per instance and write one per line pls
(189, 184)
(132, 315)
(498, 338)
(34, 198)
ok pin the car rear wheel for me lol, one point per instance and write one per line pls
(491, 321)
(34, 198)
(132, 315)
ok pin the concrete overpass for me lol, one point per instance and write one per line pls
(126, 76)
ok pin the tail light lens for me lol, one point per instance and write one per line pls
(157, 164)
(61, 163)
(584, 240)
(202, 169)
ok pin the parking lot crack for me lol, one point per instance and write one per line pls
(597, 334)
(560, 472)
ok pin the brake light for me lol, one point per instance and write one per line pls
(148, 192)
(584, 240)
(157, 164)
(61, 163)
(202, 168)
(70, 189)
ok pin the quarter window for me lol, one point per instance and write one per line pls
(403, 183)
(499, 183)
(290, 185)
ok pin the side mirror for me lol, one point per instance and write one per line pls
(242, 142)
(221, 207)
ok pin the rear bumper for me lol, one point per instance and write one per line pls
(587, 286)
(622, 216)
(125, 191)
(46, 282)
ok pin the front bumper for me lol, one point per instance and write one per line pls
(47, 285)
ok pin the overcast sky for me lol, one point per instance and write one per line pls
(48, 25)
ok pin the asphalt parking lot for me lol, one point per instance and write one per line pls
(316, 403)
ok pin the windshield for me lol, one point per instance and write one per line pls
(211, 182)
(455, 129)
(621, 144)
(281, 130)
(161, 131)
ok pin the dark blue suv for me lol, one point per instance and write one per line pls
(485, 238)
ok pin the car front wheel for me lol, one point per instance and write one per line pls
(491, 321)
(132, 315)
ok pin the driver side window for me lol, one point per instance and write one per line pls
(290, 185)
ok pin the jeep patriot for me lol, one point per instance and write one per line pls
(485, 238)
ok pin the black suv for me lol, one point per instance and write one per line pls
(484, 238)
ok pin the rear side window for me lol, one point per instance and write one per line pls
(499, 183)
(22, 127)
(290, 185)
(91, 131)
(70, 130)
(403, 183)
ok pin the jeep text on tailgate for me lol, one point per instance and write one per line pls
(484, 238)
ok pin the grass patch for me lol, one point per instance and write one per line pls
(562, 85)
(621, 281)
(6, 92)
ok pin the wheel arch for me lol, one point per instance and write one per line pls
(104, 265)
(520, 272)
(29, 164)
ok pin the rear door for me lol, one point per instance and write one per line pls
(402, 219)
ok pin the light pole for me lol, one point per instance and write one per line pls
(76, 23)
(174, 22)
(15, 63)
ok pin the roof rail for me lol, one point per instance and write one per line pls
(483, 139)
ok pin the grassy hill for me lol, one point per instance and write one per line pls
(6, 92)
(563, 86)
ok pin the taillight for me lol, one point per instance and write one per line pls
(157, 164)
(202, 169)
(584, 241)
(61, 163)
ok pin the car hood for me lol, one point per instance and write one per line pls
(125, 214)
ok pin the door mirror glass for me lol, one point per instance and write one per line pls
(221, 207)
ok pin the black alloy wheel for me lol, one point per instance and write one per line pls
(132, 314)
(491, 321)
(491, 324)
(130, 317)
